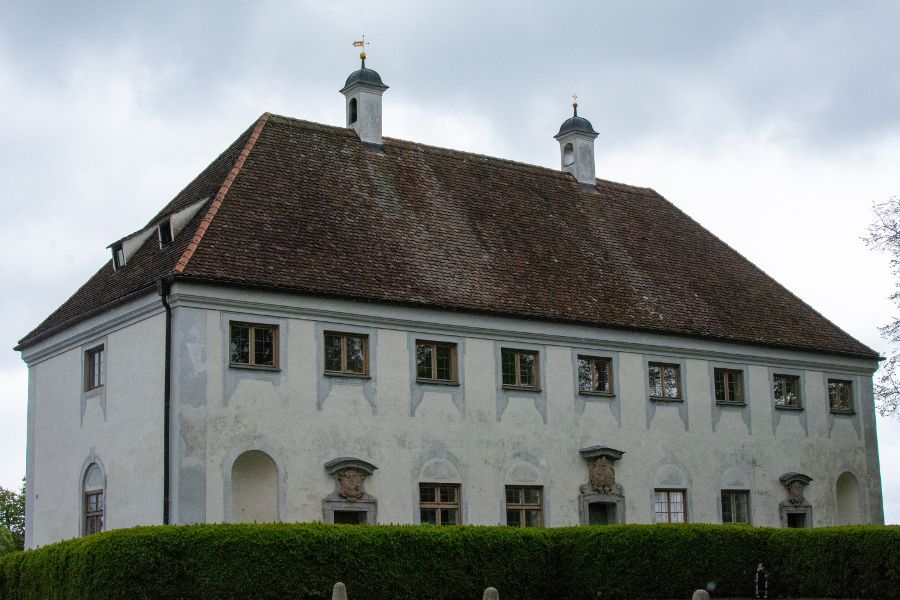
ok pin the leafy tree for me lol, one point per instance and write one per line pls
(8, 541)
(12, 514)
(884, 234)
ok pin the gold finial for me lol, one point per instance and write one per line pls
(361, 44)
(575, 104)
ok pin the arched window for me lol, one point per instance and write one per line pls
(94, 499)
(254, 488)
(351, 117)
(568, 155)
(847, 492)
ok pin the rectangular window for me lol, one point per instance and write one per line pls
(93, 512)
(520, 368)
(735, 506)
(118, 254)
(729, 385)
(253, 345)
(346, 353)
(94, 368)
(439, 503)
(594, 375)
(669, 506)
(840, 395)
(435, 361)
(665, 381)
(786, 389)
(524, 506)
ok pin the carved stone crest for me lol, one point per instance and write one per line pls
(352, 484)
(602, 475)
(795, 493)
(795, 484)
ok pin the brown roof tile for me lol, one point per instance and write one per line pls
(311, 210)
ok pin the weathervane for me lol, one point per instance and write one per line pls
(575, 104)
(362, 53)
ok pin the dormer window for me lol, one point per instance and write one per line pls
(165, 233)
(118, 253)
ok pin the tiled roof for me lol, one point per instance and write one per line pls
(309, 209)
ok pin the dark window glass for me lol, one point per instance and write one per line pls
(524, 507)
(735, 506)
(519, 368)
(840, 395)
(346, 353)
(165, 233)
(729, 385)
(665, 381)
(94, 366)
(786, 389)
(253, 345)
(436, 360)
(594, 374)
(439, 503)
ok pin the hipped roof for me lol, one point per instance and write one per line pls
(305, 207)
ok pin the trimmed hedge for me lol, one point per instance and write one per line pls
(415, 562)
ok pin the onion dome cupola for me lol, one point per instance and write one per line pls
(363, 91)
(576, 145)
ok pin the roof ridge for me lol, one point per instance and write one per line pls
(220, 195)
(503, 162)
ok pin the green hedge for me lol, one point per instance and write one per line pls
(421, 562)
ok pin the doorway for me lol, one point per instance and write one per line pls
(601, 513)
(350, 517)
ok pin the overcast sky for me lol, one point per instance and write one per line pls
(774, 124)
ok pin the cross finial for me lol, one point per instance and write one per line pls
(575, 104)
(362, 53)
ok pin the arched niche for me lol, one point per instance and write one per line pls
(847, 496)
(254, 488)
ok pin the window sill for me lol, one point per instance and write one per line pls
(737, 404)
(521, 388)
(836, 411)
(600, 394)
(436, 381)
(663, 399)
(253, 367)
(93, 391)
(794, 408)
(340, 375)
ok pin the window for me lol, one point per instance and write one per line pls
(352, 117)
(165, 233)
(94, 501)
(787, 391)
(439, 503)
(254, 345)
(729, 384)
(346, 354)
(435, 361)
(669, 506)
(118, 256)
(524, 506)
(665, 381)
(735, 506)
(594, 375)
(840, 395)
(520, 368)
(94, 375)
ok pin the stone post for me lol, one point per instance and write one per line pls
(339, 592)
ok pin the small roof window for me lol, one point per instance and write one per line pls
(118, 254)
(165, 233)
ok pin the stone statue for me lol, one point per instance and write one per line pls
(603, 475)
(352, 481)
(795, 493)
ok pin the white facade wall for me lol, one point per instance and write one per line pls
(484, 437)
(119, 426)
